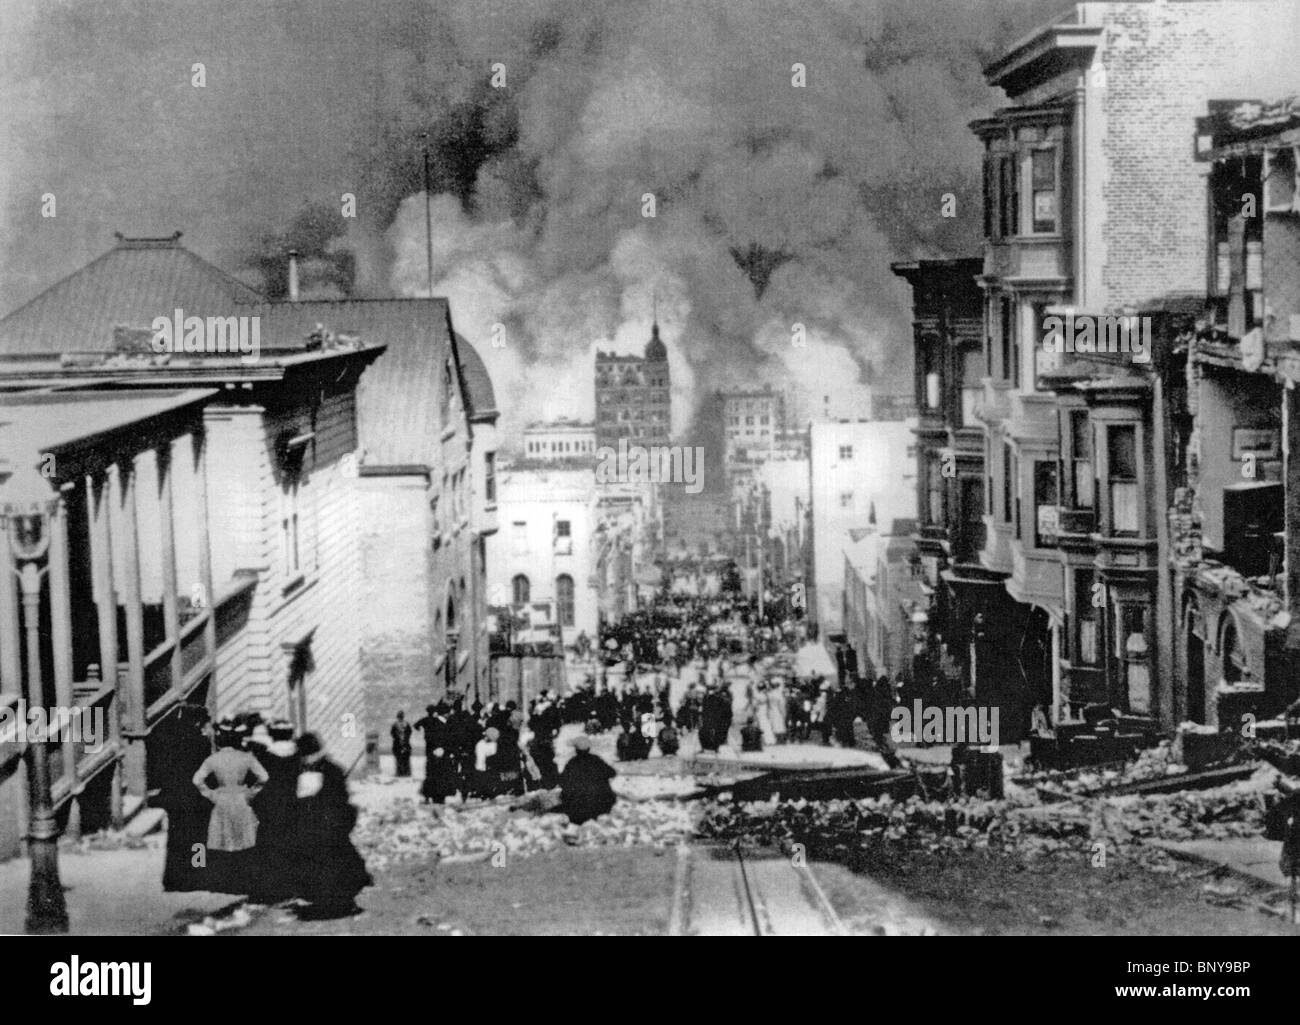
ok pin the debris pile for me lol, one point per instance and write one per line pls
(1017, 823)
(405, 830)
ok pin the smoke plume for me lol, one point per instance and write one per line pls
(775, 205)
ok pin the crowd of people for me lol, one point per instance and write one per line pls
(719, 669)
(255, 810)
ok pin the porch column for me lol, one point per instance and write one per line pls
(133, 765)
(162, 457)
(61, 637)
(199, 441)
(101, 569)
(11, 672)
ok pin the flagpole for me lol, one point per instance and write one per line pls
(428, 220)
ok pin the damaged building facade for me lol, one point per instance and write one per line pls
(1138, 569)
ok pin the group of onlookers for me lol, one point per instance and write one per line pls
(254, 809)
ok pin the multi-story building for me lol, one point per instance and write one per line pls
(306, 478)
(634, 396)
(883, 614)
(1235, 529)
(1093, 206)
(948, 347)
(862, 473)
(544, 564)
(753, 421)
(427, 422)
(232, 583)
(559, 441)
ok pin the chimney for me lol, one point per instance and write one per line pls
(293, 275)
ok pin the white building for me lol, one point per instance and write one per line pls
(559, 440)
(543, 552)
(862, 472)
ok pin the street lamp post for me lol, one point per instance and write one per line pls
(30, 504)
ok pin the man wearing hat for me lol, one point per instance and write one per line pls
(585, 791)
(401, 734)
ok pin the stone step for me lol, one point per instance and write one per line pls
(131, 805)
(148, 820)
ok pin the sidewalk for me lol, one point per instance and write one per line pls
(113, 893)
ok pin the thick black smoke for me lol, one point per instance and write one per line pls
(776, 205)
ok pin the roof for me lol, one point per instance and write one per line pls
(1046, 50)
(135, 281)
(655, 350)
(478, 382)
(140, 279)
(34, 423)
(398, 402)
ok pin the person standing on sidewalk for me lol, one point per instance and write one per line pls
(401, 734)
(232, 826)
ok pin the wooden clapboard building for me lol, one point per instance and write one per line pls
(206, 542)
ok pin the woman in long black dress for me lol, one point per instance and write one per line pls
(187, 742)
(330, 871)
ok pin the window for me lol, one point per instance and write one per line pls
(435, 523)
(934, 489)
(1085, 617)
(1280, 185)
(1006, 328)
(519, 538)
(562, 528)
(972, 384)
(1008, 481)
(520, 590)
(1081, 474)
(1009, 199)
(564, 599)
(1045, 500)
(846, 499)
(293, 456)
(990, 194)
(1043, 175)
(490, 477)
(1122, 452)
(846, 451)
(448, 391)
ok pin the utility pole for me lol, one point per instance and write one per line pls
(428, 219)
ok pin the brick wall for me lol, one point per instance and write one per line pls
(1164, 61)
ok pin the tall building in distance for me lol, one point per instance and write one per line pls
(633, 397)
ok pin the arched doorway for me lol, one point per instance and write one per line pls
(1233, 663)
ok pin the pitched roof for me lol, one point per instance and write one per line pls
(398, 416)
(135, 281)
(140, 279)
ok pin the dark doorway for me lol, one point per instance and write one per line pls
(1195, 678)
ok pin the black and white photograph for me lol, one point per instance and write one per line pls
(652, 468)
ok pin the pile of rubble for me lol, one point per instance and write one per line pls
(1021, 822)
(405, 830)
